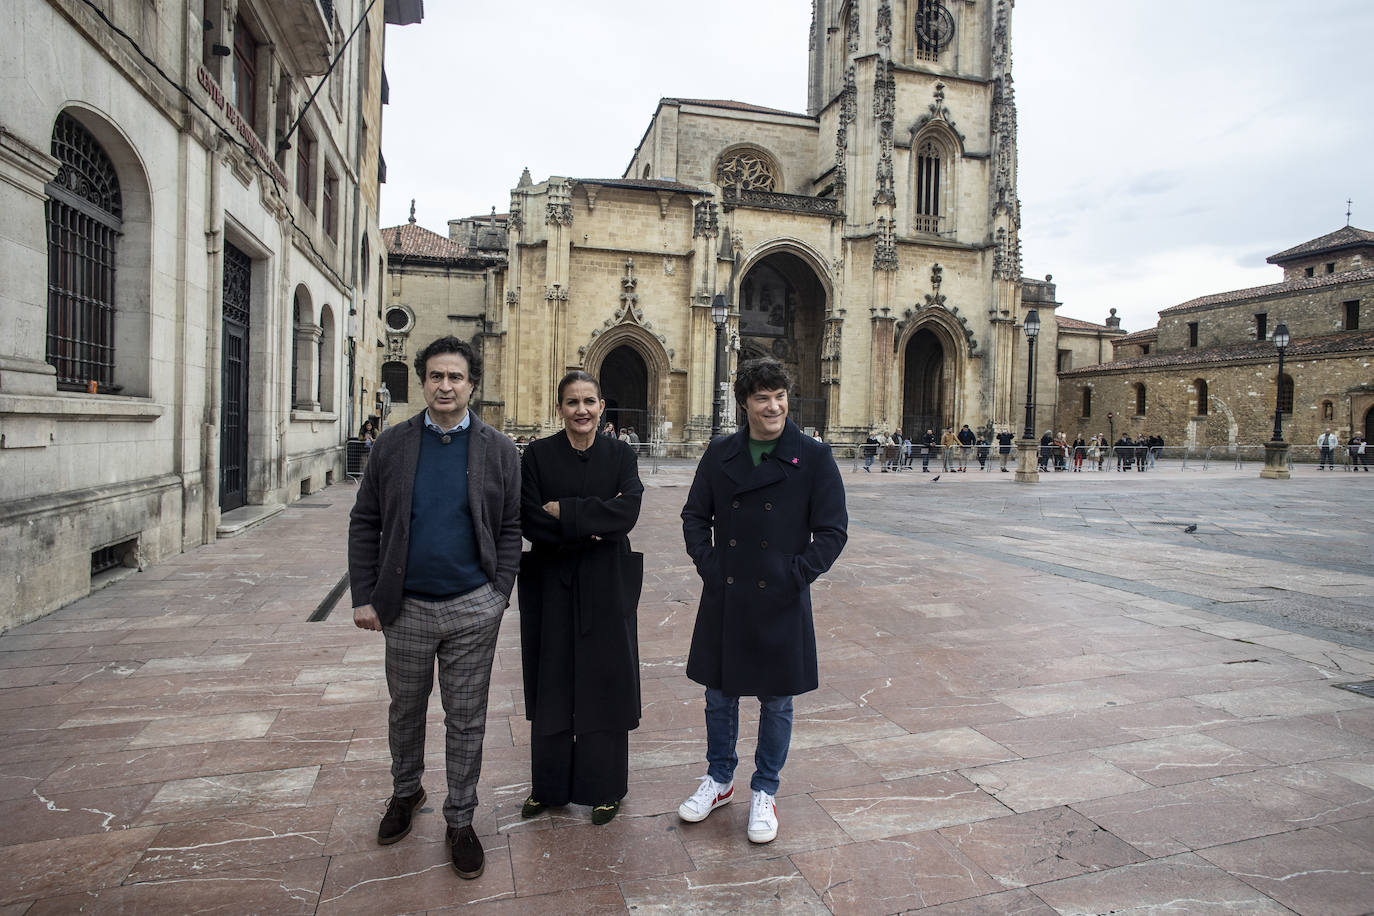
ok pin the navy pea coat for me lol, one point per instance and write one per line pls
(759, 536)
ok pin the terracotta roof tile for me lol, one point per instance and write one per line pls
(1078, 325)
(1346, 342)
(1139, 336)
(415, 241)
(1344, 237)
(736, 106)
(1302, 284)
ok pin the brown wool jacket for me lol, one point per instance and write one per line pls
(379, 526)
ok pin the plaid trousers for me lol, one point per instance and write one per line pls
(461, 632)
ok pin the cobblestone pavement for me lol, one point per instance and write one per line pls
(1035, 699)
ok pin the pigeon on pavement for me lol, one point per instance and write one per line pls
(935, 478)
(1190, 529)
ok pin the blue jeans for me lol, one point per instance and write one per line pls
(722, 729)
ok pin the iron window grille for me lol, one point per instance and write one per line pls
(84, 215)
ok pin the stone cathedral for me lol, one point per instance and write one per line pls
(870, 244)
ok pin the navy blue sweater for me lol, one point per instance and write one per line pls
(442, 559)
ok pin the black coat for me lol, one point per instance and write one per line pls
(759, 537)
(579, 594)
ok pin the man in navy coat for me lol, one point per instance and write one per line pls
(765, 517)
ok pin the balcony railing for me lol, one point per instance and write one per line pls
(925, 223)
(772, 200)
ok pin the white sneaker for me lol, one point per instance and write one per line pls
(763, 818)
(709, 796)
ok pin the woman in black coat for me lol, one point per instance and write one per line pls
(579, 594)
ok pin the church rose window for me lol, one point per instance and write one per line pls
(746, 170)
(84, 212)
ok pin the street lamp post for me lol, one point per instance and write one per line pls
(720, 313)
(1276, 450)
(1025, 462)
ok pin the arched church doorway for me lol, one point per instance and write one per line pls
(923, 386)
(625, 386)
(782, 306)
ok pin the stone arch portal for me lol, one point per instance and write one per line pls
(927, 384)
(625, 386)
(782, 307)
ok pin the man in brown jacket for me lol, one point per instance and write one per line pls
(433, 548)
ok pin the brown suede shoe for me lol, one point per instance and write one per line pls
(468, 859)
(396, 822)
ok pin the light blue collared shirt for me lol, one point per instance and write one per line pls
(467, 421)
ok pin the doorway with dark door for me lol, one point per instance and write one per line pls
(233, 432)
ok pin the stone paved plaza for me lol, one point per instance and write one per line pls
(1034, 699)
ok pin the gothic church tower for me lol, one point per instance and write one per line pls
(917, 143)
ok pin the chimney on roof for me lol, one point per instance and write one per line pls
(1113, 322)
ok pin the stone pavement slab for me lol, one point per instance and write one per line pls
(1034, 699)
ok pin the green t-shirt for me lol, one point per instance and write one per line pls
(758, 449)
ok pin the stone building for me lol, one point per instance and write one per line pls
(184, 248)
(870, 243)
(439, 285)
(1206, 375)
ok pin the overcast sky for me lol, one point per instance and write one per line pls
(1165, 149)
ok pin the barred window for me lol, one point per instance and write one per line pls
(1140, 400)
(1200, 386)
(1286, 393)
(929, 162)
(747, 170)
(84, 215)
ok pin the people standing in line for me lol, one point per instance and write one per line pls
(764, 518)
(433, 549)
(906, 453)
(579, 594)
(608, 430)
(928, 444)
(982, 446)
(895, 464)
(1142, 452)
(1104, 448)
(1045, 452)
(870, 451)
(967, 440)
(1359, 453)
(948, 443)
(1125, 452)
(1004, 440)
(889, 451)
(1080, 451)
(1156, 449)
(1327, 443)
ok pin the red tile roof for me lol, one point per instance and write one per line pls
(1077, 325)
(1139, 336)
(1302, 284)
(734, 106)
(1344, 237)
(415, 241)
(1329, 344)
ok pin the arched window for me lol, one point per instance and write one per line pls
(929, 176)
(1286, 393)
(396, 378)
(648, 170)
(295, 347)
(747, 170)
(1140, 399)
(326, 363)
(84, 217)
(1200, 386)
(1087, 402)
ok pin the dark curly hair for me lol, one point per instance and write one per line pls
(759, 375)
(450, 344)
